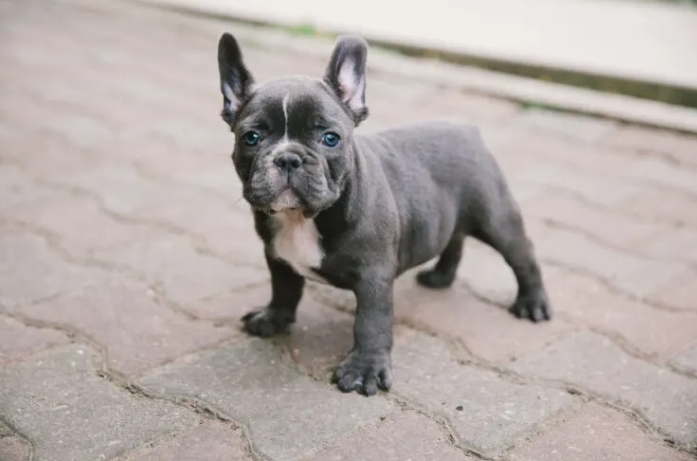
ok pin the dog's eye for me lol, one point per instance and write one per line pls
(250, 138)
(330, 139)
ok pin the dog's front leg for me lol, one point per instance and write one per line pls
(286, 292)
(369, 364)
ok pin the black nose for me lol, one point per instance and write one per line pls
(288, 161)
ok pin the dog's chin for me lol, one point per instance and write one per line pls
(289, 200)
(286, 201)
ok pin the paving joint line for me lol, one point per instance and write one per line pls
(461, 350)
(198, 242)
(594, 204)
(399, 402)
(205, 410)
(622, 406)
(122, 270)
(613, 289)
(645, 183)
(201, 408)
(602, 142)
(23, 439)
(75, 335)
(444, 425)
(571, 388)
(624, 345)
(553, 223)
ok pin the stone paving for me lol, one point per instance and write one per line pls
(127, 258)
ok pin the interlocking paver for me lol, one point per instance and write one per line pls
(636, 275)
(205, 215)
(211, 441)
(67, 217)
(564, 156)
(19, 191)
(660, 334)
(19, 340)
(400, 437)
(45, 156)
(487, 410)
(487, 274)
(679, 293)
(478, 325)
(211, 170)
(185, 274)
(70, 413)
(575, 127)
(525, 191)
(125, 317)
(232, 305)
(597, 434)
(80, 130)
(662, 205)
(586, 185)
(289, 415)
(125, 192)
(677, 244)
(343, 299)
(590, 361)
(12, 449)
(681, 148)
(4, 430)
(31, 271)
(226, 231)
(662, 172)
(687, 360)
(604, 225)
(113, 155)
(319, 339)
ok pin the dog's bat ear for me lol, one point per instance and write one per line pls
(346, 74)
(235, 80)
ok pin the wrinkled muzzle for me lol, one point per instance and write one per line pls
(288, 180)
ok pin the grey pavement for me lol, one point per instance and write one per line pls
(127, 257)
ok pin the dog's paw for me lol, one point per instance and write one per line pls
(435, 280)
(264, 324)
(364, 373)
(533, 306)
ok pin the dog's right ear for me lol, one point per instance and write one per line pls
(235, 80)
(345, 74)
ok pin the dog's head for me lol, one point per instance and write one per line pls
(293, 135)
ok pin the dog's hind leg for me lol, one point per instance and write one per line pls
(443, 273)
(505, 232)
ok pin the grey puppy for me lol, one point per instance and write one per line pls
(356, 211)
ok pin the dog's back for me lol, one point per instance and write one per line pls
(453, 154)
(464, 180)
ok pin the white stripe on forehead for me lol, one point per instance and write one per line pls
(285, 113)
(284, 141)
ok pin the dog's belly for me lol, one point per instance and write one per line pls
(427, 227)
(297, 243)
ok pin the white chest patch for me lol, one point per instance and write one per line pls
(297, 243)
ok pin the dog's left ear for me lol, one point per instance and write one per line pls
(346, 74)
(235, 80)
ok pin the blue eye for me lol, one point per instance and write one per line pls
(250, 138)
(330, 139)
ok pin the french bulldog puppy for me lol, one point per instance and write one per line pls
(356, 211)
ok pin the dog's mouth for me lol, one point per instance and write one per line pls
(288, 202)
(285, 201)
(271, 193)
